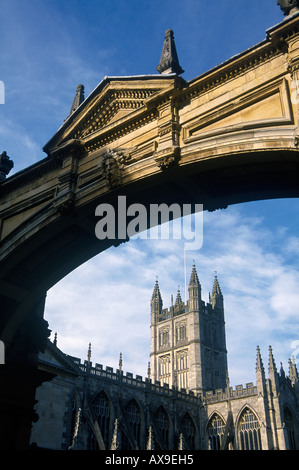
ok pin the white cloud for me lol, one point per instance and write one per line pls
(107, 300)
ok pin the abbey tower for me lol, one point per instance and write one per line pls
(188, 344)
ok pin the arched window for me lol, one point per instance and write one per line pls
(133, 417)
(249, 431)
(101, 409)
(189, 430)
(163, 428)
(164, 369)
(290, 428)
(215, 432)
(182, 369)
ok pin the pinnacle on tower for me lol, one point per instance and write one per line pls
(272, 365)
(216, 299)
(169, 62)
(78, 99)
(156, 302)
(194, 281)
(178, 300)
(194, 289)
(293, 373)
(259, 362)
(89, 353)
(273, 374)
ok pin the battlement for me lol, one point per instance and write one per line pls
(119, 377)
(222, 395)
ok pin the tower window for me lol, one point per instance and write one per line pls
(182, 369)
(164, 337)
(164, 369)
(181, 332)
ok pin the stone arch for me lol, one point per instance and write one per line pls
(133, 415)
(215, 431)
(189, 429)
(249, 429)
(289, 422)
(102, 411)
(162, 428)
(235, 144)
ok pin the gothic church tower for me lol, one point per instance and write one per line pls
(188, 344)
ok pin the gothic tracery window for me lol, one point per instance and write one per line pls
(215, 432)
(249, 431)
(102, 411)
(181, 332)
(290, 428)
(189, 429)
(163, 427)
(133, 417)
(182, 369)
(164, 337)
(164, 369)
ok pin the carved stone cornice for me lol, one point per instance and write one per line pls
(232, 68)
(109, 134)
(112, 102)
(35, 171)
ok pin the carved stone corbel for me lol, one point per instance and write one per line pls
(112, 165)
(167, 157)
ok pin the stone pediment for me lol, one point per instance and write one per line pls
(53, 358)
(113, 102)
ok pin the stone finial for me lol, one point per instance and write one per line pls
(120, 362)
(5, 165)
(289, 7)
(169, 62)
(89, 353)
(78, 99)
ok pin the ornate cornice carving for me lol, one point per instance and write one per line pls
(231, 70)
(109, 135)
(107, 108)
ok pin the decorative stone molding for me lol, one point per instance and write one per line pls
(108, 106)
(111, 165)
(167, 157)
(65, 203)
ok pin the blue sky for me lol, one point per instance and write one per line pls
(50, 46)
